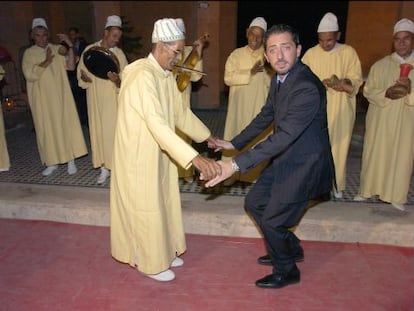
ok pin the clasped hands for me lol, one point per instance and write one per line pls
(339, 85)
(214, 172)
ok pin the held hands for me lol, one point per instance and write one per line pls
(219, 144)
(208, 168)
(226, 172)
(339, 85)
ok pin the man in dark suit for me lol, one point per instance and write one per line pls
(299, 154)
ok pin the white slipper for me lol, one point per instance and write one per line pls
(164, 276)
(177, 262)
(49, 170)
(72, 169)
(103, 176)
(359, 198)
(338, 194)
(399, 206)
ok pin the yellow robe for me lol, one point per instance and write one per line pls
(102, 102)
(344, 62)
(4, 153)
(194, 77)
(146, 218)
(58, 131)
(247, 95)
(387, 157)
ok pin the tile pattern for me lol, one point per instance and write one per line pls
(26, 166)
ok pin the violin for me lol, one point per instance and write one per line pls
(184, 69)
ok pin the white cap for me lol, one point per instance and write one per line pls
(404, 25)
(113, 20)
(329, 23)
(39, 22)
(166, 30)
(180, 24)
(259, 22)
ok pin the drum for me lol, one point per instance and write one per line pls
(100, 60)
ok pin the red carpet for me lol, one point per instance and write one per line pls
(55, 266)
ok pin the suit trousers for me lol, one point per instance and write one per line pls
(275, 219)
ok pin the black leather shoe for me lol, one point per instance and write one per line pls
(267, 261)
(279, 280)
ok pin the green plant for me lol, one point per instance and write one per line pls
(131, 42)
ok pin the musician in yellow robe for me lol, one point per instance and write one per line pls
(102, 99)
(249, 84)
(56, 121)
(339, 68)
(4, 153)
(198, 46)
(146, 218)
(388, 154)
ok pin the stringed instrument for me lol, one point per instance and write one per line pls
(183, 70)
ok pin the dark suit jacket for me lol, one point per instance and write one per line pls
(299, 150)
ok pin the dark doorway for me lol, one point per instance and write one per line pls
(304, 16)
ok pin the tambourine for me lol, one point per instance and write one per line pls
(100, 61)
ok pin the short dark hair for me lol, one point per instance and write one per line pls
(75, 29)
(281, 28)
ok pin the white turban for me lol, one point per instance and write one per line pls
(113, 20)
(404, 25)
(180, 24)
(259, 22)
(39, 22)
(166, 30)
(329, 23)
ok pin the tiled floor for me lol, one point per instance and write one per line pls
(26, 166)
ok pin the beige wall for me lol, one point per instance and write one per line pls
(369, 28)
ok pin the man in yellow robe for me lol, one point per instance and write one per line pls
(146, 218)
(339, 68)
(4, 153)
(249, 83)
(197, 47)
(56, 121)
(102, 99)
(388, 154)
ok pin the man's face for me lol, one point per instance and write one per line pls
(112, 37)
(73, 36)
(40, 36)
(327, 40)
(403, 43)
(172, 53)
(254, 37)
(282, 52)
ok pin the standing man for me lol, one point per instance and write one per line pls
(197, 47)
(387, 157)
(56, 121)
(102, 99)
(298, 151)
(4, 153)
(339, 68)
(249, 82)
(146, 218)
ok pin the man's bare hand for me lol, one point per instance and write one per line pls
(219, 144)
(114, 77)
(85, 77)
(258, 67)
(49, 58)
(208, 168)
(226, 172)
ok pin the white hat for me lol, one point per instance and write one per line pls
(166, 30)
(259, 22)
(113, 20)
(404, 25)
(180, 24)
(329, 23)
(39, 22)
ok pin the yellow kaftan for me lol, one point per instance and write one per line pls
(247, 95)
(194, 77)
(4, 154)
(146, 217)
(344, 62)
(387, 157)
(58, 131)
(102, 102)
